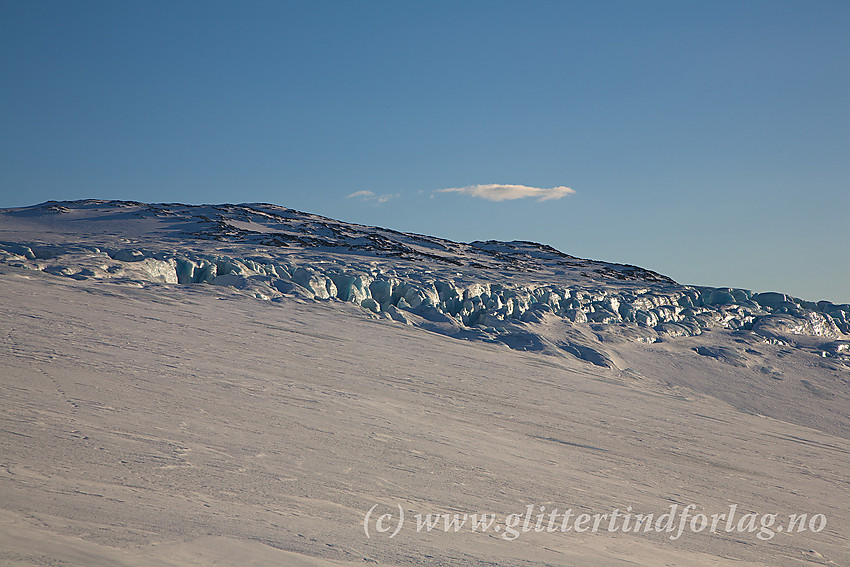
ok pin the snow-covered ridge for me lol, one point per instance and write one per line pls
(492, 291)
(265, 224)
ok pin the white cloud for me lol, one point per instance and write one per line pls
(372, 197)
(495, 192)
(363, 194)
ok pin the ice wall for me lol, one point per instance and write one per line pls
(463, 304)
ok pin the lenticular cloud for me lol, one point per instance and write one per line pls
(496, 192)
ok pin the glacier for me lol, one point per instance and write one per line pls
(489, 291)
(239, 384)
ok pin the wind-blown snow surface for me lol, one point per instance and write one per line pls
(150, 418)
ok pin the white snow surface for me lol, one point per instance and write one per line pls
(239, 384)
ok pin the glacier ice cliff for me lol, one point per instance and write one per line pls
(490, 291)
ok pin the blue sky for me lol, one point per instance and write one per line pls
(709, 141)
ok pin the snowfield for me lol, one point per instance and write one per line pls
(241, 384)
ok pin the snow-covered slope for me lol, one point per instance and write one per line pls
(241, 383)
